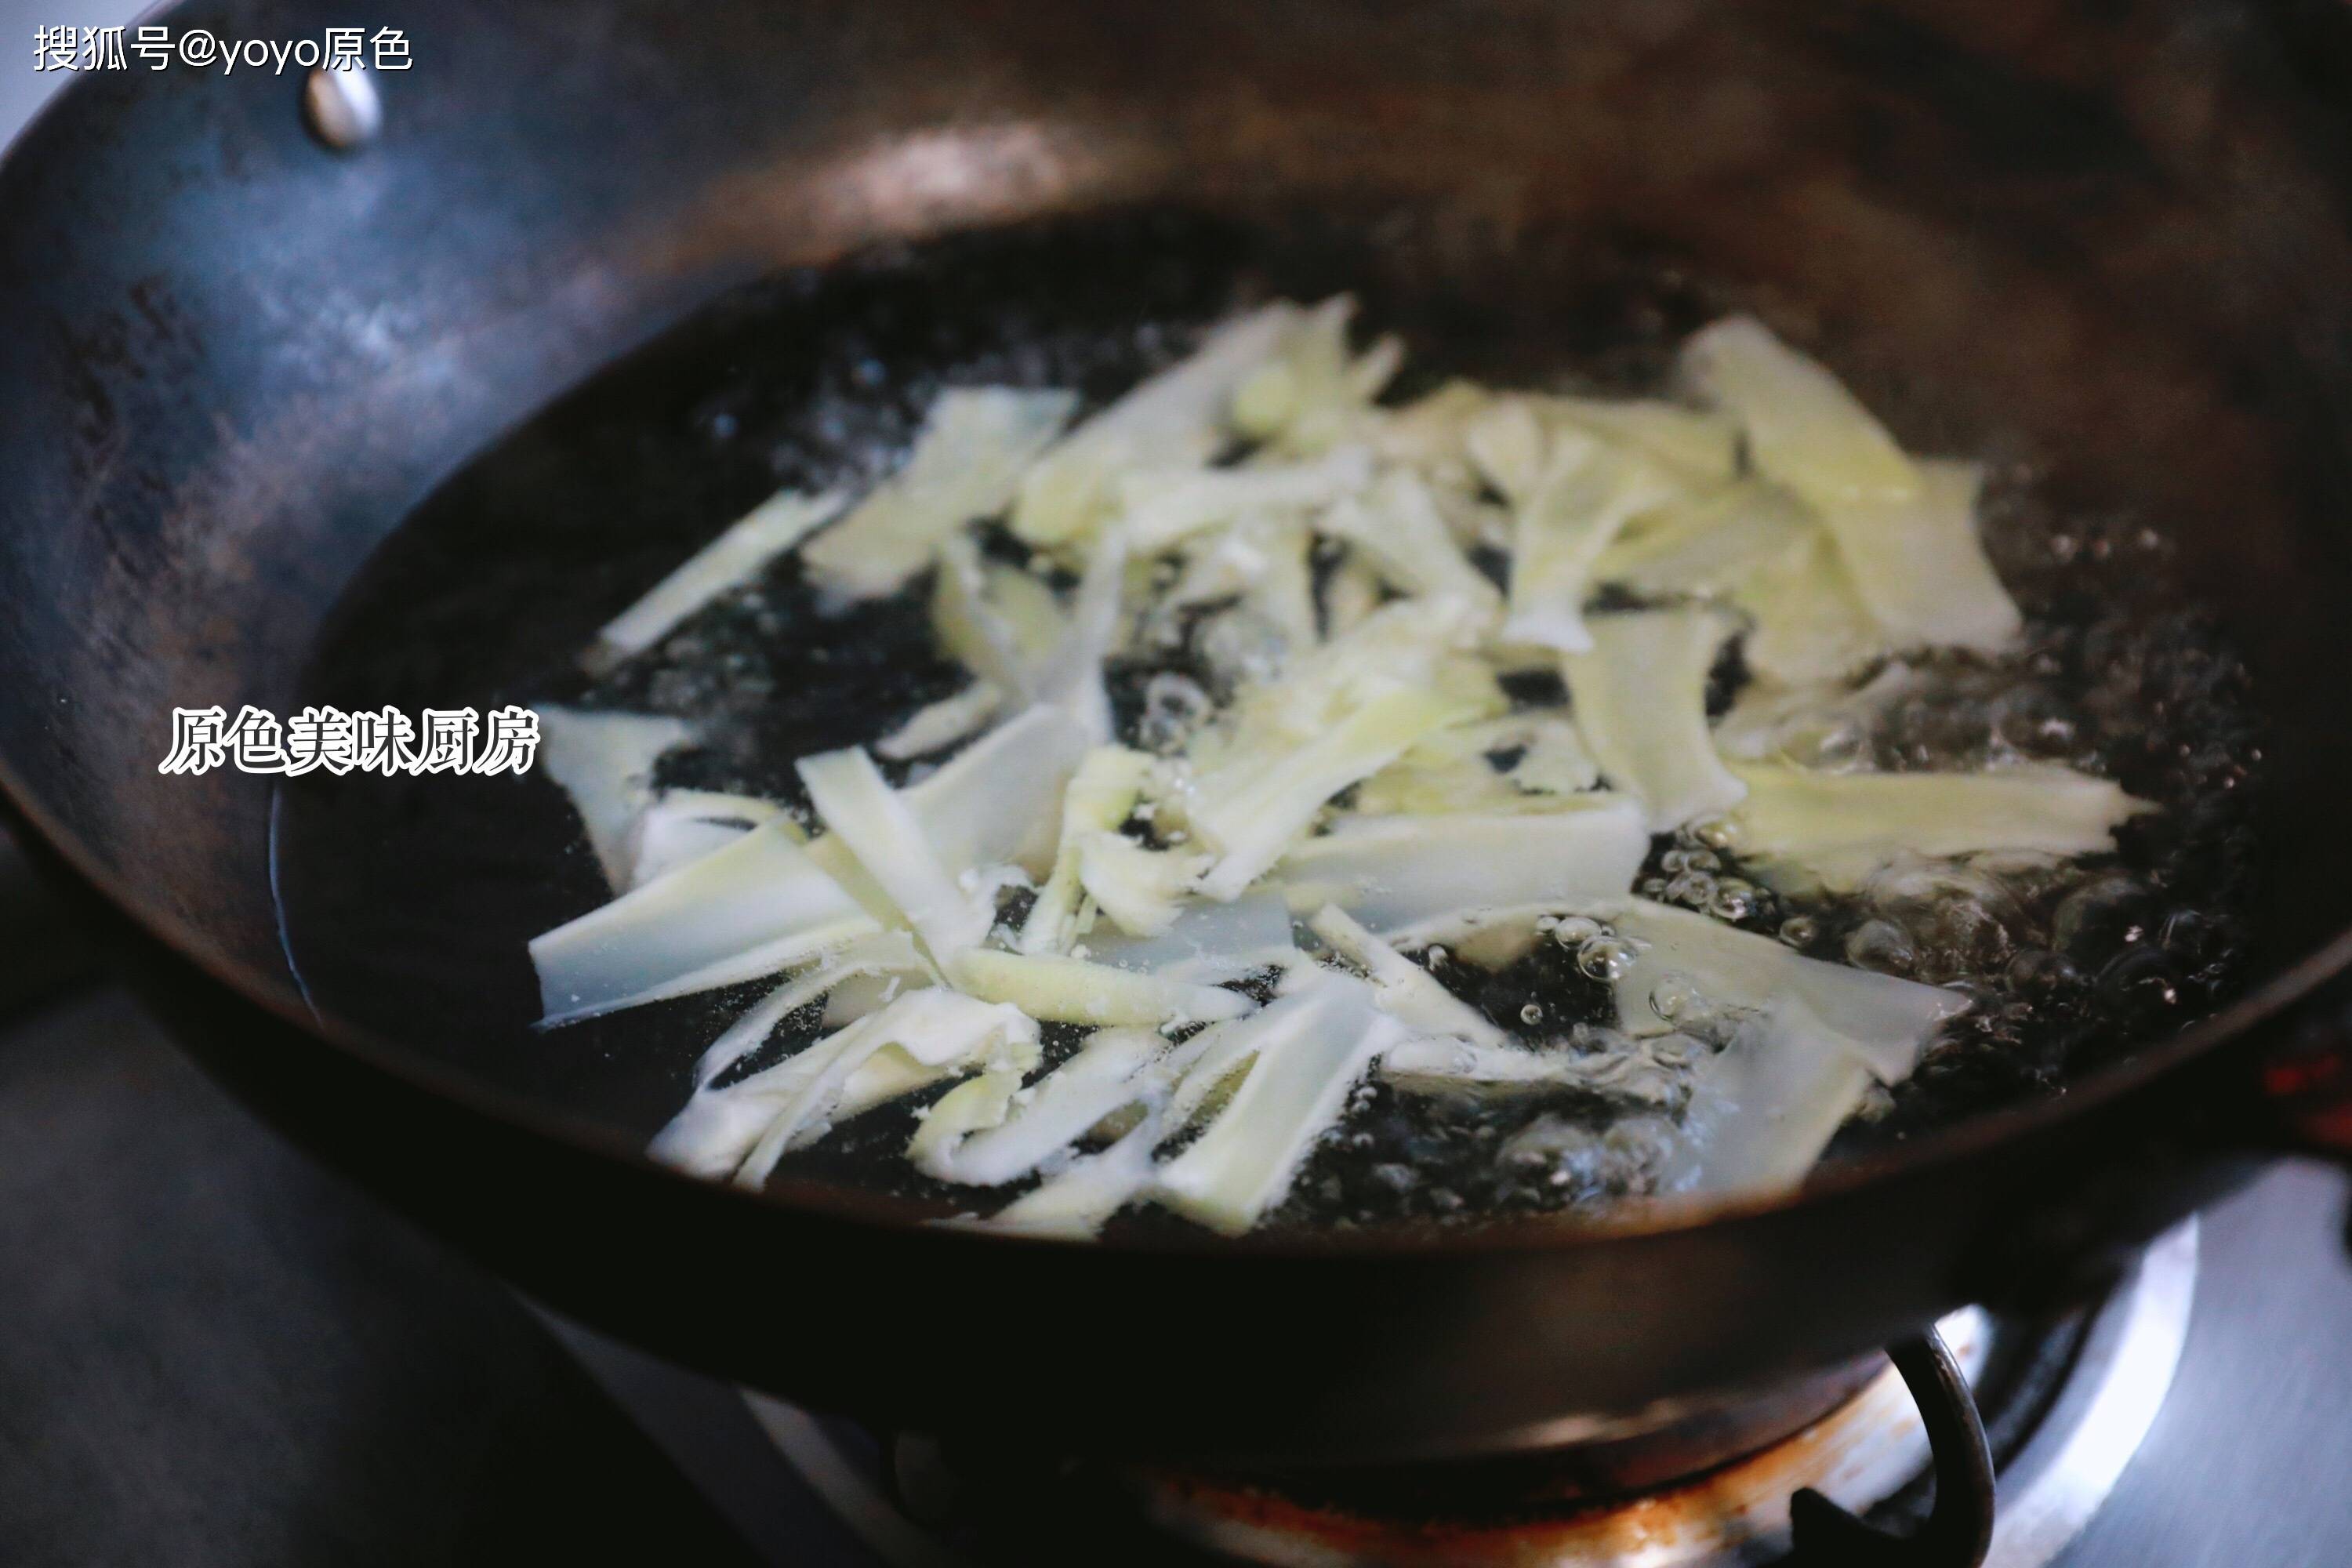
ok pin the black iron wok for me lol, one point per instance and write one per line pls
(233, 359)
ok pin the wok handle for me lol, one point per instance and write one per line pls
(1959, 1531)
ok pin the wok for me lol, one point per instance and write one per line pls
(237, 359)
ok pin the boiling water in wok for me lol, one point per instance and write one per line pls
(409, 902)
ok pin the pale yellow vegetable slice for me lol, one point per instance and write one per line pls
(756, 906)
(881, 828)
(1397, 526)
(1101, 796)
(1315, 393)
(1295, 1086)
(726, 563)
(938, 725)
(925, 1036)
(1819, 829)
(1140, 889)
(604, 761)
(1403, 990)
(983, 1135)
(1810, 625)
(1584, 496)
(975, 447)
(1908, 535)
(684, 825)
(1640, 699)
(891, 953)
(1702, 446)
(1174, 418)
(1073, 991)
(1882, 1021)
(1159, 510)
(1397, 873)
(1761, 1112)
(1709, 543)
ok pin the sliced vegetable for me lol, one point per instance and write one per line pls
(989, 1139)
(1231, 939)
(1763, 1110)
(685, 825)
(974, 449)
(1250, 820)
(1396, 873)
(1073, 991)
(882, 829)
(1140, 889)
(726, 563)
(1882, 1021)
(1174, 418)
(1709, 543)
(758, 905)
(1584, 495)
(1832, 830)
(1076, 1202)
(605, 762)
(891, 953)
(1403, 990)
(1908, 535)
(1315, 391)
(1810, 625)
(925, 1036)
(938, 725)
(1397, 526)
(1640, 697)
(1303, 1070)
(1101, 796)
(1702, 446)
(1160, 509)
(1651, 1073)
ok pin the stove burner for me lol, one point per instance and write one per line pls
(2066, 1405)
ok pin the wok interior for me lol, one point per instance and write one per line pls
(2114, 247)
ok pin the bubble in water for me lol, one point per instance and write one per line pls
(1733, 899)
(1654, 887)
(1606, 958)
(1680, 861)
(1531, 1014)
(1674, 998)
(1574, 931)
(1693, 890)
(1800, 930)
(1882, 945)
(1173, 706)
(2108, 910)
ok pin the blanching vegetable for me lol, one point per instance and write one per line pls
(1311, 1047)
(1764, 1109)
(1908, 535)
(683, 824)
(938, 725)
(1832, 830)
(1883, 1022)
(1175, 419)
(1580, 498)
(1639, 698)
(972, 455)
(1403, 990)
(605, 762)
(728, 562)
(1101, 796)
(1074, 991)
(1394, 874)
(881, 829)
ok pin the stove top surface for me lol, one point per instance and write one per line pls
(218, 1354)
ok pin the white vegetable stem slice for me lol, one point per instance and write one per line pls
(883, 831)
(1712, 543)
(1396, 873)
(1908, 536)
(1101, 794)
(938, 725)
(925, 1036)
(1074, 1203)
(1882, 1021)
(974, 449)
(728, 562)
(1640, 699)
(604, 761)
(1398, 528)
(1403, 989)
(1702, 444)
(1305, 1065)
(1162, 509)
(1251, 825)
(1809, 623)
(1173, 418)
(685, 825)
(892, 953)
(1762, 1111)
(757, 906)
(988, 1141)
(1252, 930)
(1073, 991)
(1584, 497)
(1141, 889)
(1072, 677)
(1832, 830)
(997, 801)
(1317, 390)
